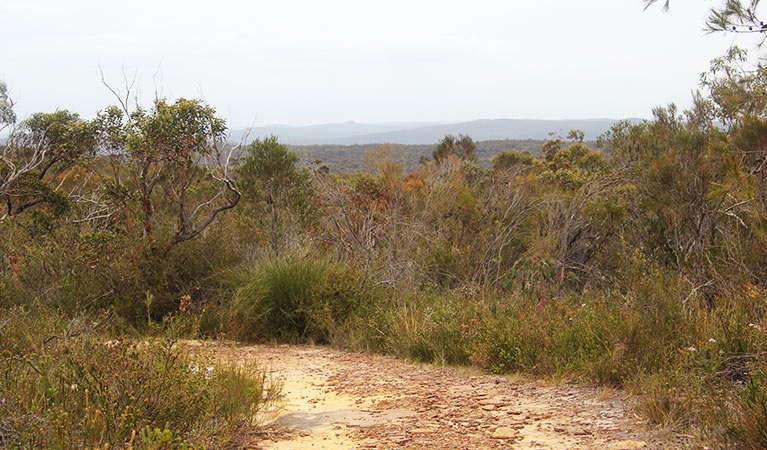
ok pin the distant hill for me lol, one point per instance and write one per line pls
(414, 133)
(331, 133)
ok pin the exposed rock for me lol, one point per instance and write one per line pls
(504, 433)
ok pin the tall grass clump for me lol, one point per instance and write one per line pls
(294, 299)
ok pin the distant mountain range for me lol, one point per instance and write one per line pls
(419, 133)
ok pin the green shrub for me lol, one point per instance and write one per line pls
(272, 298)
(336, 303)
(74, 389)
(295, 299)
(494, 347)
(424, 326)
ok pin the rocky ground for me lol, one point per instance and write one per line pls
(339, 400)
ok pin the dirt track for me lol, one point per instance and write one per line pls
(339, 400)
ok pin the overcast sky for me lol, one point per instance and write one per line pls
(306, 62)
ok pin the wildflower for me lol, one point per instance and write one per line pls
(712, 341)
(691, 349)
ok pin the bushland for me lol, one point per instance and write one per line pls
(638, 263)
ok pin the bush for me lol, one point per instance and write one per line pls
(493, 346)
(746, 417)
(294, 299)
(669, 398)
(336, 303)
(75, 389)
(425, 326)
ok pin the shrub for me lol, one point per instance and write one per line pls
(74, 389)
(670, 398)
(746, 417)
(336, 303)
(294, 299)
(493, 346)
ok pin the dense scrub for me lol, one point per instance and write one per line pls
(639, 264)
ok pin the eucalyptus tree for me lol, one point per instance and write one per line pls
(168, 159)
(7, 116)
(737, 16)
(37, 157)
(273, 182)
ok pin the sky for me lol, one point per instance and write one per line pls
(311, 62)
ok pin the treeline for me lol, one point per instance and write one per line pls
(640, 262)
(353, 158)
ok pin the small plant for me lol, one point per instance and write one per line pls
(492, 346)
(243, 391)
(153, 438)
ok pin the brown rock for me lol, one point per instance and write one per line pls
(497, 403)
(504, 433)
